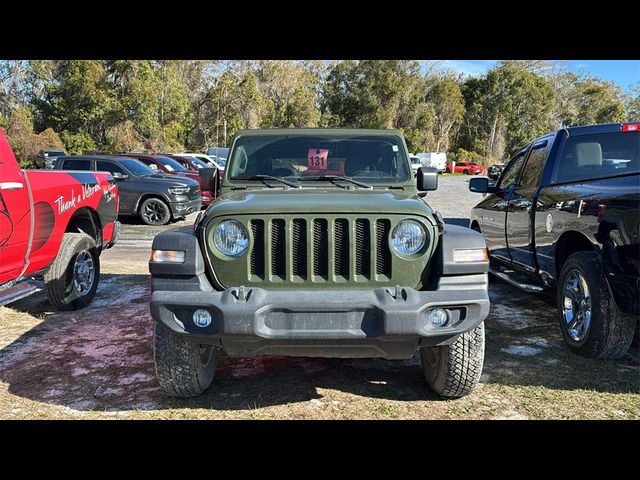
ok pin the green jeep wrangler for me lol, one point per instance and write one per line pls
(321, 245)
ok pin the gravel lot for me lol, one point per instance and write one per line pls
(97, 363)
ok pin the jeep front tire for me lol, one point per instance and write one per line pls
(453, 371)
(184, 368)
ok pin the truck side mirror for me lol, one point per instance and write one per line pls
(427, 179)
(119, 176)
(480, 185)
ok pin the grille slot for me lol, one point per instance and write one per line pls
(320, 247)
(383, 255)
(320, 250)
(341, 256)
(299, 247)
(278, 250)
(363, 244)
(257, 252)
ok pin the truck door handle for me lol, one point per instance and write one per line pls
(11, 186)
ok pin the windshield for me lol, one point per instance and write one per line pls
(136, 167)
(171, 164)
(198, 163)
(372, 159)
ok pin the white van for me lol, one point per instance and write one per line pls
(434, 159)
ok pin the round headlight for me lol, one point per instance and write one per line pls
(408, 237)
(231, 238)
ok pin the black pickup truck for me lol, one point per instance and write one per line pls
(565, 216)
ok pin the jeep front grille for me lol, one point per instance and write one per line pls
(331, 250)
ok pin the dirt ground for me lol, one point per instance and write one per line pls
(98, 363)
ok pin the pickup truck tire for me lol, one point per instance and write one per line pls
(453, 371)
(72, 280)
(183, 367)
(155, 211)
(607, 334)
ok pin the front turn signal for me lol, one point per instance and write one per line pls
(470, 255)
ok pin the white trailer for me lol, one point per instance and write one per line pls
(434, 159)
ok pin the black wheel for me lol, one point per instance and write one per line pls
(184, 368)
(466, 172)
(72, 280)
(591, 324)
(155, 211)
(454, 370)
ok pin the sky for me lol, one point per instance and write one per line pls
(625, 73)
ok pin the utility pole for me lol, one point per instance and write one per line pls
(225, 132)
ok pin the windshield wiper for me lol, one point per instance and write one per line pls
(332, 178)
(263, 179)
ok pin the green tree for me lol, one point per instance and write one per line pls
(79, 98)
(25, 143)
(597, 101)
(445, 96)
(378, 94)
(505, 109)
(633, 105)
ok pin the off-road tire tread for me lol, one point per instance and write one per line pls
(53, 279)
(611, 334)
(178, 367)
(460, 365)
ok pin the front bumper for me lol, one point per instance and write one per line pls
(388, 322)
(181, 209)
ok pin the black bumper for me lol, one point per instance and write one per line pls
(389, 322)
(383, 322)
(182, 209)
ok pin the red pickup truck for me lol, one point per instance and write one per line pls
(53, 227)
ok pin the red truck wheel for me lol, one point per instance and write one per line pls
(72, 279)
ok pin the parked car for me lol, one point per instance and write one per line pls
(218, 153)
(565, 217)
(495, 170)
(164, 164)
(155, 198)
(290, 262)
(53, 228)
(201, 158)
(416, 164)
(49, 157)
(196, 165)
(468, 168)
(437, 160)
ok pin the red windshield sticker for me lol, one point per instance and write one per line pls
(317, 158)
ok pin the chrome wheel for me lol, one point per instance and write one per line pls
(83, 273)
(576, 305)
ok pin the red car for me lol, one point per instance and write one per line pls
(53, 226)
(468, 168)
(166, 164)
(195, 164)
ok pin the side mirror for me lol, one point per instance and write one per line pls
(481, 185)
(427, 179)
(119, 176)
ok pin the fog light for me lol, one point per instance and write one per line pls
(438, 317)
(202, 318)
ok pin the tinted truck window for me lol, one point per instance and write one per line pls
(598, 156)
(535, 163)
(511, 174)
(76, 164)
